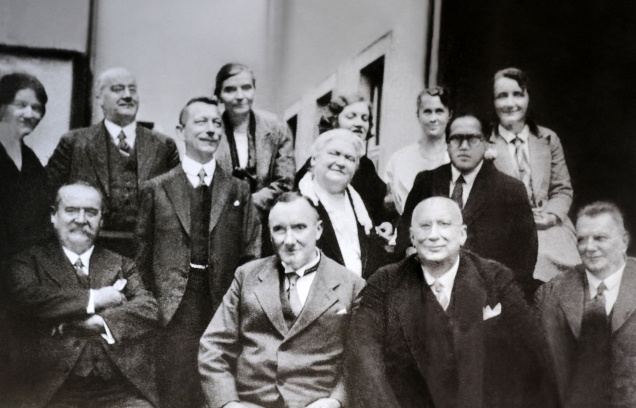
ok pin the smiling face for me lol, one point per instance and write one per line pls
(294, 229)
(464, 156)
(201, 131)
(118, 96)
(437, 232)
(237, 93)
(78, 217)
(355, 117)
(23, 114)
(335, 164)
(602, 244)
(433, 116)
(511, 102)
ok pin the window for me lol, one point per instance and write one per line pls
(371, 82)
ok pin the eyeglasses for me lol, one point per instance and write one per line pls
(456, 141)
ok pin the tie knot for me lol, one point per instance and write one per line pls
(78, 264)
(460, 180)
(293, 277)
(601, 288)
(202, 175)
(121, 136)
(518, 141)
(437, 286)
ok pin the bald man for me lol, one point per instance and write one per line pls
(117, 155)
(444, 327)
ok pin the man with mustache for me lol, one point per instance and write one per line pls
(86, 321)
(277, 339)
(197, 224)
(495, 206)
(117, 155)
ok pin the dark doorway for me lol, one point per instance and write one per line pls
(581, 58)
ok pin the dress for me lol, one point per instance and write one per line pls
(402, 168)
(552, 193)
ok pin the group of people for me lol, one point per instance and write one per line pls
(132, 277)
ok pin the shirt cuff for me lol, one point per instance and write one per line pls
(90, 309)
(108, 336)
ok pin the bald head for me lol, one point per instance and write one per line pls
(116, 91)
(437, 233)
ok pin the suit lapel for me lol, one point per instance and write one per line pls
(540, 158)
(267, 293)
(177, 191)
(478, 194)
(98, 151)
(320, 298)
(441, 185)
(221, 187)
(103, 268)
(412, 313)
(146, 149)
(572, 299)
(58, 266)
(328, 241)
(626, 301)
(262, 145)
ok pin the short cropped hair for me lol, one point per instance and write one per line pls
(202, 99)
(484, 129)
(228, 71)
(83, 183)
(291, 196)
(603, 207)
(11, 84)
(329, 118)
(341, 134)
(442, 93)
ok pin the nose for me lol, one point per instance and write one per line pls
(126, 93)
(340, 160)
(589, 245)
(240, 94)
(464, 145)
(434, 233)
(289, 237)
(81, 217)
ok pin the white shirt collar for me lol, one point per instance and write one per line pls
(447, 279)
(192, 168)
(611, 281)
(510, 137)
(85, 257)
(130, 130)
(301, 271)
(469, 178)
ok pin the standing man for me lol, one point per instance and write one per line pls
(588, 315)
(117, 155)
(444, 327)
(494, 206)
(87, 324)
(197, 224)
(277, 339)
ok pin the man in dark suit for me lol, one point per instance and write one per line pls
(197, 224)
(117, 155)
(278, 337)
(494, 206)
(87, 323)
(588, 315)
(444, 327)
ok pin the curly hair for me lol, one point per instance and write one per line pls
(329, 117)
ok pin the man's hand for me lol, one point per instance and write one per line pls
(325, 403)
(91, 325)
(106, 297)
(385, 230)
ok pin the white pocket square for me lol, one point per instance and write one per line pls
(237, 203)
(492, 312)
(342, 311)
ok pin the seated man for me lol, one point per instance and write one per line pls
(86, 320)
(494, 206)
(278, 337)
(588, 315)
(444, 327)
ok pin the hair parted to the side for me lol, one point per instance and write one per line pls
(603, 207)
(329, 117)
(83, 183)
(203, 99)
(291, 196)
(229, 70)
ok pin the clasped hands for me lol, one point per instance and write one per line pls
(544, 220)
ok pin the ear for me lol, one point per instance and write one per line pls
(179, 131)
(464, 235)
(318, 229)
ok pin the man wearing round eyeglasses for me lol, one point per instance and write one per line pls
(495, 207)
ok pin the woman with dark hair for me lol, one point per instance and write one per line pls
(24, 205)
(534, 155)
(428, 153)
(258, 147)
(353, 112)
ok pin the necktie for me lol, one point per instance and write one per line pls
(292, 293)
(523, 164)
(79, 270)
(202, 175)
(458, 191)
(591, 376)
(438, 289)
(123, 146)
